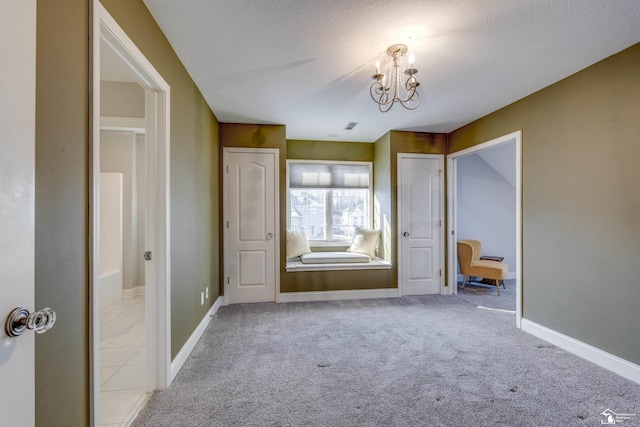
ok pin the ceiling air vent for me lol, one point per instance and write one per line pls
(350, 125)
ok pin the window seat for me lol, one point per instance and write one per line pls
(319, 261)
(334, 258)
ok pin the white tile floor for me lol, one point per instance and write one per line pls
(122, 361)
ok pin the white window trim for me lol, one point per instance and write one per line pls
(337, 242)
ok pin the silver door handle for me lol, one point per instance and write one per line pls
(405, 234)
(19, 320)
(269, 236)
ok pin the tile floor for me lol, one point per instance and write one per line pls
(122, 361)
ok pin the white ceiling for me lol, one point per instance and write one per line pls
(308, 63)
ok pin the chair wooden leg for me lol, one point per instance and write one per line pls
(464, 279)
(503, 287)
(498, 286)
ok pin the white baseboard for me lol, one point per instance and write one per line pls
(187, 348)
(510, 275)
(601, 358)
(338, 295)
(133, 292)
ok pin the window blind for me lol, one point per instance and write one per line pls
(314, 175)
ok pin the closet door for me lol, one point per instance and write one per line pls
(420, 190)
(251, 201)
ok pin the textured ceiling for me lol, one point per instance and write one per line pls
(308, 63)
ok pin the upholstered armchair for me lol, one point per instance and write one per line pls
(472, 266)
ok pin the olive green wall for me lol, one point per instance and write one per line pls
(194, 172)
(581, 228)
(62, 197)
(61, 221)
(329, 150)
(417, 142)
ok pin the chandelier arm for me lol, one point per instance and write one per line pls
(414, 98)
(380, 94)
(385, 107)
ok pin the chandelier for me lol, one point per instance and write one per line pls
(389, 88)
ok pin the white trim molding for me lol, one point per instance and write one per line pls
(105, 33)
(622, 367)
(187, 348)
(133, 124)
(338, 295)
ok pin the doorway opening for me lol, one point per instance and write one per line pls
(129, 235)
(469, 171)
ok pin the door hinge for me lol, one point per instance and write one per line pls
(227, 168)
(440, 223)
(453, 232)
(440, 172)
(147, 256)
(228, 281)
(440, 272)
(227, 224)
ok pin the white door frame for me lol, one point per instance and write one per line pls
(225, 210)
(440, 158)
(453, 219)
(104, 29)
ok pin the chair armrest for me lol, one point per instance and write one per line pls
(492, 258)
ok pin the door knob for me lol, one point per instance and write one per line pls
(269, 236)
(405, 234)
(19, 320)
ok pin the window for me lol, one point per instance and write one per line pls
(328, 199)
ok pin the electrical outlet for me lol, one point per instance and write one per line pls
(202, 298)
(206, 292)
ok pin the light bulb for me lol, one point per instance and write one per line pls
(412, 59)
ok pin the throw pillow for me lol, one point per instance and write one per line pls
(297, 244)
(365, 241)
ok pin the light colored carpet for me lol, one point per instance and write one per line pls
(411, 361)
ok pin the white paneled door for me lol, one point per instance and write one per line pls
(17, 204)
(420, 191)
(251, 215)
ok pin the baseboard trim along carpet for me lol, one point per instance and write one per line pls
(622, 367)
(338, 295)
(187, 348)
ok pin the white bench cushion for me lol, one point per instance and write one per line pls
(334, 258)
